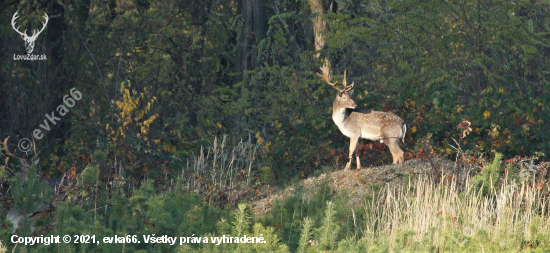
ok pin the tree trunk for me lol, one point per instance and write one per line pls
(199, 17)
(254, 29)
(319, 27)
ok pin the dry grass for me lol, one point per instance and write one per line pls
(219, 172)
(515, 215)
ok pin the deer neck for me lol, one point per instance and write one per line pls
(339, 115)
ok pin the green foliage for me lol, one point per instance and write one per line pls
(486, 180)
(147, 212)
(328, 231)
(410, 220)
(267, 175)
(306, 234)
(88, 177)
(438, 62)
(240, 228)
(241, 223)
(99, 156)
(3, 248)
(269, 234)
(29, 191)
(286, 215)
(433, 63)
(161, 80)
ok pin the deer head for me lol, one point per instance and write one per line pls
(25, 163)
(344, 97)
(29, 40)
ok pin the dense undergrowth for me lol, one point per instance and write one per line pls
(505, 207)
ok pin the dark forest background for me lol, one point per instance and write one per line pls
(202, 69)
(161, 79)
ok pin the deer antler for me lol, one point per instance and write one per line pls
(24, 160)
(324, 77)
(7, 150)
(346, 87)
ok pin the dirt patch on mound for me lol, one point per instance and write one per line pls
(355, 181)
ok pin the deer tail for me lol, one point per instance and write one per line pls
(404, 132)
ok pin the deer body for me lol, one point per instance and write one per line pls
(360, 123)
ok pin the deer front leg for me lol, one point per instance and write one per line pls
(352, 147)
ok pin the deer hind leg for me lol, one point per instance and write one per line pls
(357, 153)
(352, 147)
(396, 152)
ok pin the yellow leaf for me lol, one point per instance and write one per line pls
(260, 140)
(487, 114)
(157, 141)
(413, 103)
(413, 129)
(219, 125)
(501, 90)
(3, 168)
(107, 127)
(258, 135)
(459, 108)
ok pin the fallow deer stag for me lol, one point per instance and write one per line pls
(25, 164)
(360, 123)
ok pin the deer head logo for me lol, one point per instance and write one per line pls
(29, 40)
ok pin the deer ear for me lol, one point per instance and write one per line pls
(350, 92)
